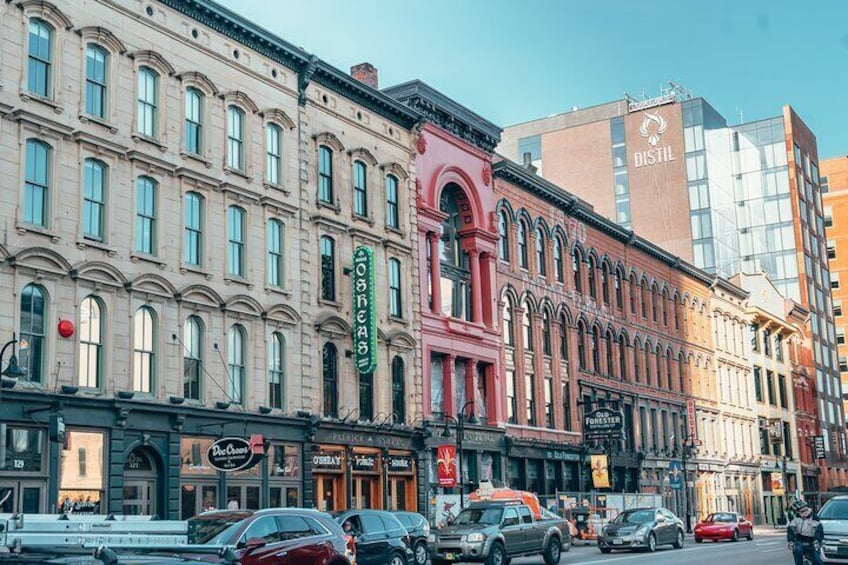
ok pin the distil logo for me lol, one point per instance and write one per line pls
(645, 129)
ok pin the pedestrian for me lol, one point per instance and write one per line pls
(805, 534)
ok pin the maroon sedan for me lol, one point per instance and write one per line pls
(724, 526)
(275, 536)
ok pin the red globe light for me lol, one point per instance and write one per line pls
(66, 328)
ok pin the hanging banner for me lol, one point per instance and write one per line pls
(777, 487)
(818, 447)
(600, 473)
(675, 475)
(691, 422)
(446, 465)
(364, 320)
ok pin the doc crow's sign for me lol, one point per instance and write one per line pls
(364, 321)
(233, 454)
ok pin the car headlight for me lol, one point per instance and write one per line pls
(642, 530)
(604, 530)
(431, 538)
(426, 528)
(475, 538)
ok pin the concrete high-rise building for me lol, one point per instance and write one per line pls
(728, 198)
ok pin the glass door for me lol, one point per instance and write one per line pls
(139, 498)
(363, 488)
(22, 496)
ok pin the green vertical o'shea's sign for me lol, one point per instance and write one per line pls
(364, 321)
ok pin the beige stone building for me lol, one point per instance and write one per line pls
(188, 191)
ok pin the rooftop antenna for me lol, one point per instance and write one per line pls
(680, 91)
(741, 119)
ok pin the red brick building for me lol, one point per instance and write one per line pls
(592, 315)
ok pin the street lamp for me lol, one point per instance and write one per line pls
(12, 370)
(460, 427)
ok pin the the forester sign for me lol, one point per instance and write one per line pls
(602, 422)
(364, 321)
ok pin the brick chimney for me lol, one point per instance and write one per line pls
(366, 73)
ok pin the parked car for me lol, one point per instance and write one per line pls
(724, 526)
(642, 528)
(275, 536)
(380, 537)
(834, 519)
(418, 529)
(494, 532)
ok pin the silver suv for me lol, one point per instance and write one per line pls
(834, 518)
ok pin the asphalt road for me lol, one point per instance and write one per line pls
(768, 548)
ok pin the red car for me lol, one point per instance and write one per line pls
(724, 526)
(275, 536)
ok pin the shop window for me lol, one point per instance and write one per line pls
(199, 481)
(81, 473)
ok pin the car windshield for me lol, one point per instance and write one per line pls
(834, 510)
(479, 516)
(214, 530)
(634, 517)
(721, 517)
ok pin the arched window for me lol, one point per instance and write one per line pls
(558, 259)
(675, 313)
(235, 138)
(40, 69)
(590, 270)
(654, 301)
(276, 371)
(577, 268)
(192, 357)
(454, 260)
(237, 351)
(360, 189)
(522, 245)
(91, 343)
(669, 368)
(273, 154)
(643, 288)
(395, 298)
(37, 183)
(275, 252)
(664, 300)
(617, 282)
(581, 345)
(392, 202)
(398, 391)
(527, 327)
(596, 349)
(660, 366)
(503, 232)
(608, 341)
(328, 268)
(563, 338)
(145, 218)
(235, 241)
(622, 357)
(508, 327)
(637, 364)
(148, 102)
(647, 354)
(194, 121)
(94, 200)
(605, 285)
(681, 374)
(541, 264)
(325, 174)
(144, 349)
(546, 333)
(96, 63)
(634, 288)
(330, 376)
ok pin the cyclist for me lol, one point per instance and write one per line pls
(805, 534)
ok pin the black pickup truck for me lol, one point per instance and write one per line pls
(494, 532)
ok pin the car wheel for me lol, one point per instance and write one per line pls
(750, 535)
(652, 542)
(606, 550)
(552, 551)
(397, 559)
(735, 536)
(497, 555)
(678, 543)
(420, 551)
(699, 540)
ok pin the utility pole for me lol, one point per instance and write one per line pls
(684, 458)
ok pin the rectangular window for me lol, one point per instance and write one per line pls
(510, 397)
(145, 220)
(828, 216)
(843, 363)
(834, 280)
(758, 383)
(95, 81)
(325, 174)
(193, 121)
(40, 69)
(770, 387)
(235, 241)
(392, 203)
(93, 200)
(193, 235)
(148, 102)
(328, 269)
(235, 138)
(275, 253)
(831, 249)
(781, 389)
(360, 192)
(530, 391)
(36, 188)
(549, 402)
(766, 343)
(395, 306)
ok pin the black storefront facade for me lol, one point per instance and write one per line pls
(483, 456)
(82, 454)
(542, 467)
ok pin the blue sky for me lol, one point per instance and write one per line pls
(512, 61)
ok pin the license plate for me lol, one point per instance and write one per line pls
(617, 541)
(450, 556)
(842, 551)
